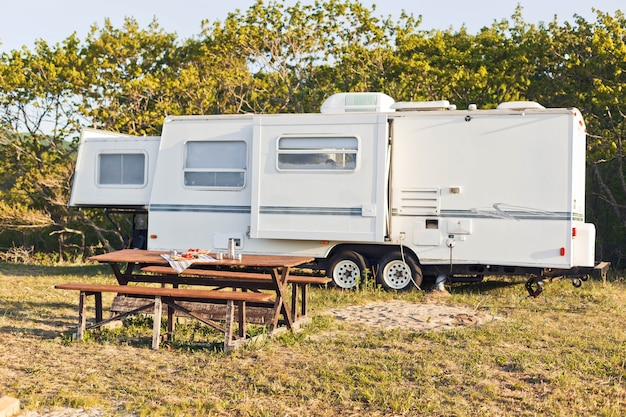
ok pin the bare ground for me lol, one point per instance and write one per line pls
(431, 314)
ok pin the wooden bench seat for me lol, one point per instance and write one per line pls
(178, 293)
(169, 296)
(304, 279)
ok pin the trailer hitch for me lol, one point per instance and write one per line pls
(534, 286)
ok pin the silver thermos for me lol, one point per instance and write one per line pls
(232, 245)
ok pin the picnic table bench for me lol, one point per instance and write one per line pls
(170, 297)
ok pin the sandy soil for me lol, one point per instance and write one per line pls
(432, 314)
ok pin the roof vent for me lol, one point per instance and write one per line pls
(357, 102)
(519, 105)
(422, 105)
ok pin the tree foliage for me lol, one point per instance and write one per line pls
(124, 87)
(275, 57)
(37, 124)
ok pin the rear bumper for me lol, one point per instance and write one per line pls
(599, 270)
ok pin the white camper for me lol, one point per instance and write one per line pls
(412, 190)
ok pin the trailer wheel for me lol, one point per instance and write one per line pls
(346, 269)
(394, 273)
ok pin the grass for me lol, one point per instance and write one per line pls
(563, 353)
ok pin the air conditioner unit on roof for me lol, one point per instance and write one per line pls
(357, 102)
(519, 105)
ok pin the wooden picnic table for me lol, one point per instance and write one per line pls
(148, 266)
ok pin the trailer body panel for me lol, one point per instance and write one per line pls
(472, 188)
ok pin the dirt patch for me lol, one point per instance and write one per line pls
(432, 314)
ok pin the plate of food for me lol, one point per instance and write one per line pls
(190, 254)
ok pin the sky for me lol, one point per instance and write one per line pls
(24, 22)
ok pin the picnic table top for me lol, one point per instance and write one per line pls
(154, 257)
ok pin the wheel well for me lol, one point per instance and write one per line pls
(371, 253)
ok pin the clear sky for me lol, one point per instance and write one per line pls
(23, 22)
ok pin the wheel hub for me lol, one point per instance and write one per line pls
(397, 275)
(346, 274)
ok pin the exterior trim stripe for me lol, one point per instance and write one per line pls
(357, 211)
(499, 214)
(324, 211)
(194, 208)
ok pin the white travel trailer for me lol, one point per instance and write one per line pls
(413, 190)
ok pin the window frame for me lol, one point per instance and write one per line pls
(121, 152)
(243, 170)
(319, 151)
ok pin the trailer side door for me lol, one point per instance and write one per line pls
(320, 177)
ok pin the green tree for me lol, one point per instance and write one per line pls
(125, 75)
(276, 58)
(37, 117)
(583, 66)
(360, 47)
(488, 68)
(271, 52)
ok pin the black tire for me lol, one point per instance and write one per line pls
(346, 269)
(394, 273)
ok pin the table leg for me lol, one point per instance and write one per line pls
(156, 327)
(241, 309)
(121, 277)
(82, 319)
(228, 332)
(294, 301)
(305, 295)
(281, 306)
(98, 301)
(171, 319)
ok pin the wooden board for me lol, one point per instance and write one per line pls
(256, 315)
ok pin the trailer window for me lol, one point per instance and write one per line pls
(212, 164)
(317, 153)
(122, 169)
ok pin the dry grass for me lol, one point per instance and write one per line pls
(563, 353)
